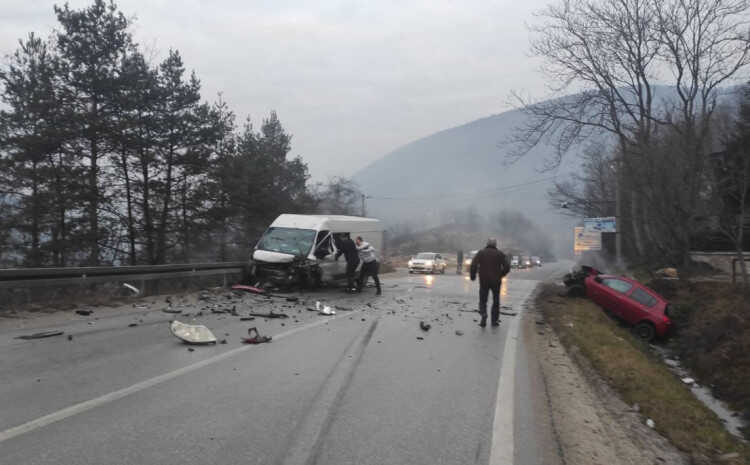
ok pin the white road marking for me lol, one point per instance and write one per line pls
(503, 445)
(119, 394)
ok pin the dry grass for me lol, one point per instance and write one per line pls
(640, 378)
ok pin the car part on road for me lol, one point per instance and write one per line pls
(84, 312)
(247, 318)
(424, 326)
(132, 288)
(508, 313)
(42, 335)
(132, 325)
(192, 334)
(324, 309)
(255, 339)
(459, 332)
(171, 310)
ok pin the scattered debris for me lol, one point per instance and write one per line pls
(688, 381)
(270, 314)
(247, 318)
(70, 337)
(250, 289)
(41, 335)
(636, 407)
(728, 456)
(324, 309)
(345, 309)
(223, 341)
(508, 313)
(192, 334)
(424, 326)
(132, 288)
(171, 310)
(132, 325)
(650, 423)
(190, 349)
(420, 338)
(292, 299)
(539, 322)
(255, 339)
(459, 332)
(84, 312)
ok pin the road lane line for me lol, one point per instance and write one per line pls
(503, 439)
(119, 394)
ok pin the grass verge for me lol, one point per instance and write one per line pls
(638, 377)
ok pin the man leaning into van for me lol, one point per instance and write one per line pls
(346, 246)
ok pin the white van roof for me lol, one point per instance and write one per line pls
(334, 223)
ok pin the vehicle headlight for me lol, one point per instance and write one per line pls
(467, 262)
(428, 263)
(410, 263)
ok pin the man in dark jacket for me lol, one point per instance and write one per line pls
(492, 266)
(347, 247)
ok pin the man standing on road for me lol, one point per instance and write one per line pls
(349, 250)
(492, 268)
(370, 265)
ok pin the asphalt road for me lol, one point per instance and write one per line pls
(366, 386)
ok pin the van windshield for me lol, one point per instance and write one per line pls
(287, 240)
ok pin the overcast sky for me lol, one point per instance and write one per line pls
(350, 80)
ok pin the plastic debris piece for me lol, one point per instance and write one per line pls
(508, 313)
(84, 312)
(292, 299)
(171, 310)
(688, 381)
(70, 337)
(650, 423)
(420, 338)
(270, 315)
(424, 326)
(251, 289)
(459, 332)
(132, 325)
(247, 318)
(132, 288)
(326, 310)
(41, 335)
(255, 338)
(192, 334)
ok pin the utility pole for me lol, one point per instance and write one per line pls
(618, 216)
(364, 210)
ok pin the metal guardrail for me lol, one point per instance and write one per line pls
(42, 277)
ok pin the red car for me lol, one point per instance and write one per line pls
(632, 302)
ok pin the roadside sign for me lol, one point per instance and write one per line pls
(603, 225)
(586, 240)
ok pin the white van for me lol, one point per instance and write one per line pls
(301, 249)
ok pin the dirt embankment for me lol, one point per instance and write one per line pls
(713, 336)
(627, 385)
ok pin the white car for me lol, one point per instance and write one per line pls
(469, 257)
(427, 262)
(514, 262)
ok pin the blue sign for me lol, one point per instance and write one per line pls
(603, 225)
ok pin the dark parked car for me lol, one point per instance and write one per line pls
(632, 302)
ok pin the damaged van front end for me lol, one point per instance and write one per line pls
(283, 270)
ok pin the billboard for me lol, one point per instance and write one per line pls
(586, 240)
(600, 225)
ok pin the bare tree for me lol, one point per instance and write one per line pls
(610, 54)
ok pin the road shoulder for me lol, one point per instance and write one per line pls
(591, 423)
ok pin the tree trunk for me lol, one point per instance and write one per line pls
(636, 226)
(35, 259)
(162, 233)
(93, 210)
(148, 227)
(129, 200)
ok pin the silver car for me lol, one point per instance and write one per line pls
(427, 262)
